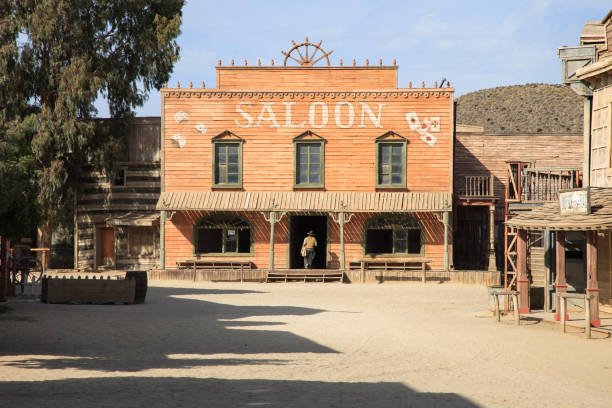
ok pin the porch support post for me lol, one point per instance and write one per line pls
(272, 222)
(162, 240)
(445, 221)
(591, 270)
(560, 282)
(492, 263)
(341, 224)
(521, 264)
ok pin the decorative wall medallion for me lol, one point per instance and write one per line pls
(179, 140)
(424, 127)
(201, 127)
(181, 117)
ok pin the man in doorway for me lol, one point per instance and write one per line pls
(308, 249)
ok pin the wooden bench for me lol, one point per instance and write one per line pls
(207, 264)
(304, 275)
(394, 265)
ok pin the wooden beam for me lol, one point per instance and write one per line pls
(522, 279)
(592, 285)
(560, 282)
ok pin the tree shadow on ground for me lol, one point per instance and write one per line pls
(175, 328)
(219, 393)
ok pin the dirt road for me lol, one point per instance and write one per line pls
(295, 345)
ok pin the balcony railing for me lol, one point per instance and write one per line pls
(541, 184)
(478, 186)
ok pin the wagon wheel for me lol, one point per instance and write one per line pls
(304, 58)
(28, 268)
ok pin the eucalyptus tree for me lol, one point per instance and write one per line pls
(57, 57)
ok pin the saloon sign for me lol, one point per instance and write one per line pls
(342, 114)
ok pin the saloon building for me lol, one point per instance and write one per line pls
(273, 152)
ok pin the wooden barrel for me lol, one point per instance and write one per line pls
(141, 284)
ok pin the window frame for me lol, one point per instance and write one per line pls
(228, 138)
(418, 225)
(391, 138)
(130, 233)
(309, 137)
(223, 229)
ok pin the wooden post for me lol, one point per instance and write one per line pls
(162, 240)
(560, 283)
(272, 222)
(497, 312)
(517, 315)
(492, 263)
(4, 271)
(341, 224)
(587, 317)
(592, 285)
(521, 278)
(445, 220)
(563, 313)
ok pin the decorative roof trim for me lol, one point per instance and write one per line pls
(384, 94)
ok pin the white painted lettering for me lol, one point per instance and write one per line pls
(267, 107)
(244, 114)
(338, 114)
(288, 116)
(375, 119)
(324, 115)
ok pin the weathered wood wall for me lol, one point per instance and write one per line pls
(601, 125)
(100, 201)
(481, 154)
(604, 268)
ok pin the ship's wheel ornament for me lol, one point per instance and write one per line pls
(299, 53)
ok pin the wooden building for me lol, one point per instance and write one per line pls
(536, 128)
(249, 167)
(592, 219)
(116, 223)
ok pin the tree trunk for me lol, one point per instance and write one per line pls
(43, 239)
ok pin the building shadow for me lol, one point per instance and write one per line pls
(155, 392)
(175, 328)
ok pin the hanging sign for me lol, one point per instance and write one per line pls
(575, 201)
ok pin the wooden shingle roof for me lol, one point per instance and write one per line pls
(547, 216)
(305, 201)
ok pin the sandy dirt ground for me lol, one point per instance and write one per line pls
(295, 345)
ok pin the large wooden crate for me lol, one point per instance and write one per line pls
(55, 290)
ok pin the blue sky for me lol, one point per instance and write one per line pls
(474, 44)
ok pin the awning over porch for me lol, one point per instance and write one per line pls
(306, 201)
(547, 216)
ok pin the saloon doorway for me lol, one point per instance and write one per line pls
(299, 227)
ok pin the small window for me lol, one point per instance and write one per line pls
(393, 235)
(391, 161)
(309, 160)
(222, 234)
(227, 160)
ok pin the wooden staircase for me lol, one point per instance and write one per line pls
(305, 275)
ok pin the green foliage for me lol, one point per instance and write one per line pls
(56, 58)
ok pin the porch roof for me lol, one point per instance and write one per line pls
(306, 201)
(547, 216)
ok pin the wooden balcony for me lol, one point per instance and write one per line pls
(477, 187)
(542, 184)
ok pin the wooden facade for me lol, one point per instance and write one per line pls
(268, 113)
(116, 223)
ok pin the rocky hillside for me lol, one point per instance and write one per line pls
(526, 109)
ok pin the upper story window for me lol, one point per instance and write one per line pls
(309, 160)
(121, 177)
(391, 161)
(227, 160)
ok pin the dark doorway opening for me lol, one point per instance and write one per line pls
(300, 225)
(472, 238)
